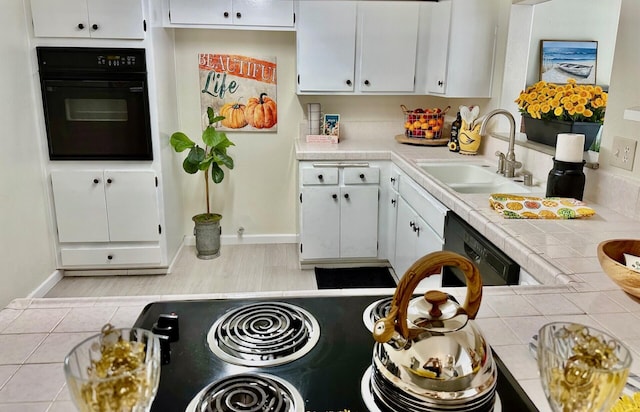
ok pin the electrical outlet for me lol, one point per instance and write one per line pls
(623, 152)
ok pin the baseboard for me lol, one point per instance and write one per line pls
(47, 285)
(175, 256)
(248, 239)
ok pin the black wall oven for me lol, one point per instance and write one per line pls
(96, 103)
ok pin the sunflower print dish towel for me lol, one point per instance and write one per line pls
(530, 207)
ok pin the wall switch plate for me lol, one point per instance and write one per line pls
(623, 152)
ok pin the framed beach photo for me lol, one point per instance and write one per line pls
(561, 60)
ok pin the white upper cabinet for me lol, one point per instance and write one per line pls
(461, 47)
(388, 38)
(266, 13)
(357, 47)
(100, 19)
(326, 52)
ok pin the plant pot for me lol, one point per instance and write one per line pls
(546, 131)
(207, 231)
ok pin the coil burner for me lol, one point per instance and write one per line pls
(248, 392)
(264, 334)
(375, 311)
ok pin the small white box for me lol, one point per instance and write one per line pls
(322, 138)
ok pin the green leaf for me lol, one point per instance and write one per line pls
(204, 164)
(189, 167)
(181, 142)
(212, 116)
(217, 174)
(212, 137)
(222, 158)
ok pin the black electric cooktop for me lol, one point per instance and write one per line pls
(328, 377)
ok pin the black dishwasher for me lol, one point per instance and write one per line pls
(496, 268)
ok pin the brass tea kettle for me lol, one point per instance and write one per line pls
(428, 349)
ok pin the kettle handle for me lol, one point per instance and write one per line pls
(423, 268)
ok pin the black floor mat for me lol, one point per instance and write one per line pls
(346, 278)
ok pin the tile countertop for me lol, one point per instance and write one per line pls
(36, 334)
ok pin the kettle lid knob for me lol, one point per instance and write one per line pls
(436, 298)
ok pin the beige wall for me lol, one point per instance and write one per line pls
(625, 88)
(260, 193)
(26, 249)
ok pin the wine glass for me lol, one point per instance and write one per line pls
(582, 369)
(115, 370)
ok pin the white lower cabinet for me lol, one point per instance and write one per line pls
(419, 228)
(391, 215)
(338, 212)
(106, 217)
(414, 239)
(91, 256)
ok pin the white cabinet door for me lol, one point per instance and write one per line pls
(426, 242)
(320, 222)
(388, 36)
(60, 18)
(405, 238)
(462, 42)
(437, 57)
(200, 11)
(105, 206)
(263, 13)
(132, 206)
(359, 221)
(80, 207)
(232, 12)
(414, 239)
(392, 224)
(326, 39)
(108, 19)
(116, 19)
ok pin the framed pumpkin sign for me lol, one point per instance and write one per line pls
(240, 88)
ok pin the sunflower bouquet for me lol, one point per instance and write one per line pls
(569, 102)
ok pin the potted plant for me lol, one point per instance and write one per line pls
(208, 160)
(549, 109)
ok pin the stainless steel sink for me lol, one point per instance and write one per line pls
(471, 177)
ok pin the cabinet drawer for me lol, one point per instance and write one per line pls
(361, 175)
(427, 206)
(320, 176)
(112, 256)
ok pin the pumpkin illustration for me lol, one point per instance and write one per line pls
(234, 117)
(262, 112)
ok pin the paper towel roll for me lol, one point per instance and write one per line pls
(313, 115)
(569, 147)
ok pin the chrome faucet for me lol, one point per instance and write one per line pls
(507, 164)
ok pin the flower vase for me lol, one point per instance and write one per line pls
(546, 131)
